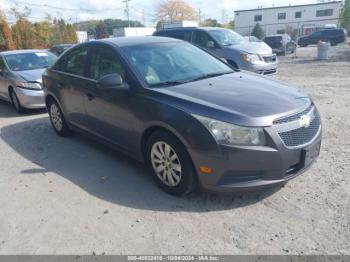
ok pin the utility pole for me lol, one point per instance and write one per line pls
(126, 10)
(200, 16)
(143, 18)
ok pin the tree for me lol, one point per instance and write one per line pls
(291, 31)
(175, 10)
(345, 16)
(258, 32)
(6, 40)
(101, 30)
(211, 22)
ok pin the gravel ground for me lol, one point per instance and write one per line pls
(74, 196)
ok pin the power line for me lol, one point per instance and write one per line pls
(63, 8)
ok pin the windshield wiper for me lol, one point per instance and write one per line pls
(209, 76)
(168, 83)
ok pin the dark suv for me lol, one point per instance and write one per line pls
(333, 36)
(281, 43)
(229, 45)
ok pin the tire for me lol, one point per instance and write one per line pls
(333, 43)
(15, 102)
(57, 119)
(173, 171)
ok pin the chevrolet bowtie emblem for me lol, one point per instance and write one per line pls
(305, 121)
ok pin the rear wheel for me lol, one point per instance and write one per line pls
(57, 119)
(170, 163)
(15, 102)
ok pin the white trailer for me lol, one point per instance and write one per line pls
(177, 24)
(133, 31)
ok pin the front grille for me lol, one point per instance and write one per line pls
(292, 117)
(270, 59)
(302, 135)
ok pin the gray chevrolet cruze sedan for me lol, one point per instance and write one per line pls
(20, 77)
(190, 117)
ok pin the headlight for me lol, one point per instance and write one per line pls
(29, 85)
(250, 58)
(229, 134)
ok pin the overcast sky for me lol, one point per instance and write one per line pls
(78, 10)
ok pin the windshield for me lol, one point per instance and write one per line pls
(30, 61)
(174, 63)
(226, 37)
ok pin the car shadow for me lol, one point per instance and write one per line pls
(7, 110)
(107, 174)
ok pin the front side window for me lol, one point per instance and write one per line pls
(226, 37)
(167, 63)
(324, 12)
(104, 62)
(281, 16)
(257, 18)
(73, 62)
(30, 60)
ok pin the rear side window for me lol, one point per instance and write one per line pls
(104, 62)
(182, 35)
(73, 62)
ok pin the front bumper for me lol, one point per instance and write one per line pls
(242, 168)
(261, 68)
(31, 99)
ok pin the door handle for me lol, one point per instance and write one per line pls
(90, 96)
(60, 84)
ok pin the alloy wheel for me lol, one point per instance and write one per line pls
(56, 117)
(166, 164)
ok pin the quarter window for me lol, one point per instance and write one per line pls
(257, 18)
(104, 62)
(281, 16)
(325, 12)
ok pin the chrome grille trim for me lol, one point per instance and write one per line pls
(293, 117)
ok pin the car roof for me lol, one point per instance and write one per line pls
(24, 51)
(137, 40)
(194, 28)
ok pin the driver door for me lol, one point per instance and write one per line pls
(107, 109)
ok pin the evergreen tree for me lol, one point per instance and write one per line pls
(345, 16)
(258, 32)
(101, 30)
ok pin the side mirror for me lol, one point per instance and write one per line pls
(210, 44)
(111, 81)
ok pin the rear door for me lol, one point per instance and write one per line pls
(108, 109)
(70, 82)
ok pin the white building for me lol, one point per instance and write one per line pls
(304, 18)
(133, 31)
(82, 36)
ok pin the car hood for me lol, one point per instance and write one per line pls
(239, 98)
(252, 48)
(31, 75)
